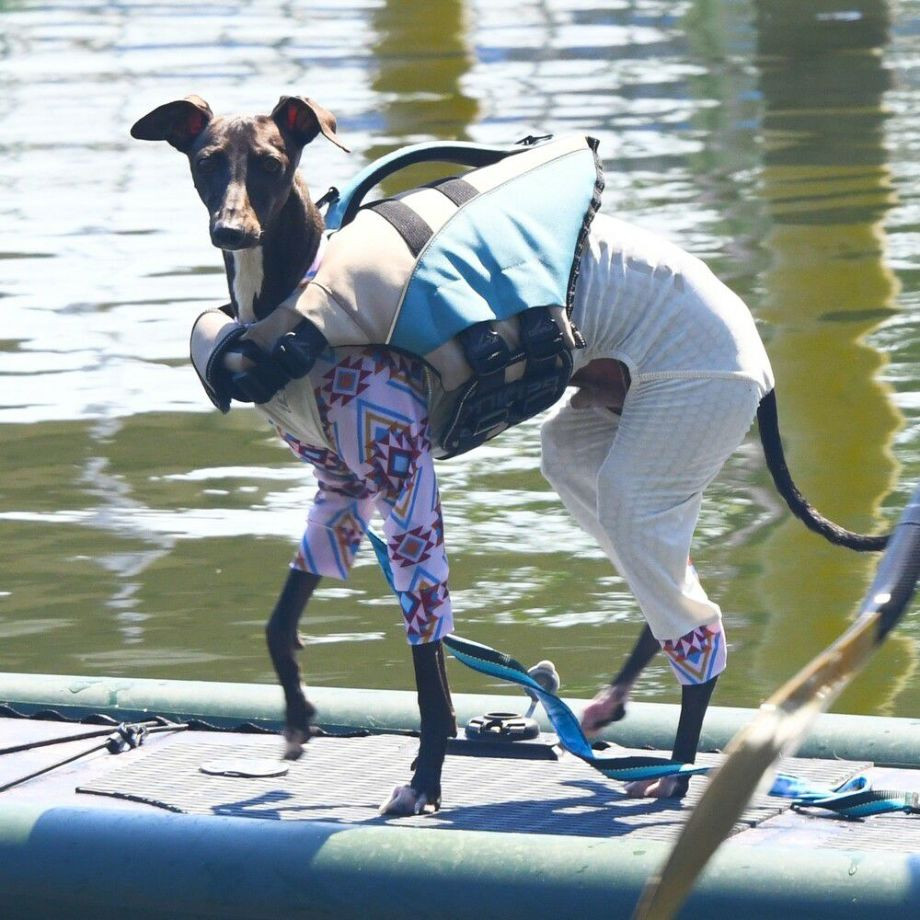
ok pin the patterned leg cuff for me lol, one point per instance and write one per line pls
(697, 656)
(427, 612)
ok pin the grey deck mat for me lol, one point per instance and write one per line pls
(345, 779)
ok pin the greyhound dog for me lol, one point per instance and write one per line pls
(263, 219)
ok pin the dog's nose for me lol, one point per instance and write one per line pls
(226, 236)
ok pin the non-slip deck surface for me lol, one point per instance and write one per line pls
(345, 779)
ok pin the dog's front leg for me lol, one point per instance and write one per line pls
(283, 646)
(437, 724)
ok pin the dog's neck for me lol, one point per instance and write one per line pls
(262, 277)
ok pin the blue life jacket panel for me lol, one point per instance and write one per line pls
(512, 242)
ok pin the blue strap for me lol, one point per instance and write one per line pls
(344, 205)
(383, 558)
(802, 790)
(853, 799)
(866, 802)
(571, 737)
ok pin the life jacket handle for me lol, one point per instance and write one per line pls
(345, 204)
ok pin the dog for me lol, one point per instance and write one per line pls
(264, 221)
(269, 230)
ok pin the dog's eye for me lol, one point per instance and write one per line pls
(271, 165)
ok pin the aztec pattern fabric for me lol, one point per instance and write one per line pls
(697, 656)
(373, 406)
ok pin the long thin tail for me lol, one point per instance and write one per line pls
(776, 463)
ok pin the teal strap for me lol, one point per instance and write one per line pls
(802, 790)
(866, 802)
(853, 799)
(571, 737)
(464, 153)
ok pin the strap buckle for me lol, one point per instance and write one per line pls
(541, 337)
(485, 350)
(330, 197)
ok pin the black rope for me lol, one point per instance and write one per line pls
(126, 736)
(99, 718)
(47, 742)
(191, 724)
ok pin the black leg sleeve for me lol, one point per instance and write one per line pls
(284, 643)
(693, 705)
(645, 649)
(438, 722)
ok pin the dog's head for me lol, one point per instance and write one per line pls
(243, 166)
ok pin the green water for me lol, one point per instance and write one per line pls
(143, 534)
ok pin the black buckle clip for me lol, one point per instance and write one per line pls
(485, 350)
(296, 352)
(541, 338)
(330, 197)
(532, 139)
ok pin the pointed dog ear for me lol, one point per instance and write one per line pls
(178, 123)
(303, 119)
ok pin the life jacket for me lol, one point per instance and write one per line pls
(474, 273)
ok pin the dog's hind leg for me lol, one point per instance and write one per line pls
(609, 705)
(283, 645)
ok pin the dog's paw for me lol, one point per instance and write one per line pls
(299, 728)
(294, 740)
(609, 705)
(665, 787)
(404, 801)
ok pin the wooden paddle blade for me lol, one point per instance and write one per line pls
(784, 720)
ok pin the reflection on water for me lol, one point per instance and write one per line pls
(410, 41)
(827, 188)
(144, 534)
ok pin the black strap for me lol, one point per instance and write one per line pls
(485, 350)
(456, 190)
(296, 352)
(409, 225)
(541, 337)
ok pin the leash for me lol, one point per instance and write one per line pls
(855, 798)
(568, 730)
